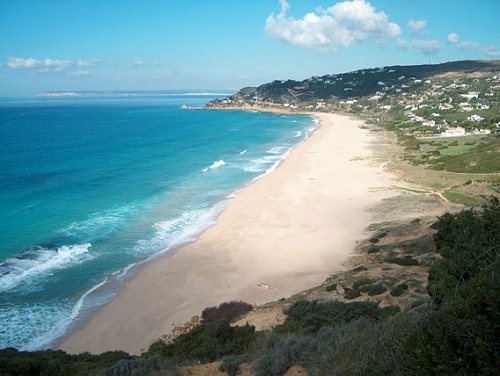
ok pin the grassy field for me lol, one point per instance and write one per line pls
(483, 159)
(462, 169)
(452, 146)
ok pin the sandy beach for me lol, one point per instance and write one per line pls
(284, 233)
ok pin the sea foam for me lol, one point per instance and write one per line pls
(99, 224)
(37, 261)
(215, 165)
(182, 229)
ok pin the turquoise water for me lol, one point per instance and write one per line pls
(91, 187)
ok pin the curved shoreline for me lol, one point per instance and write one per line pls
(282, 234)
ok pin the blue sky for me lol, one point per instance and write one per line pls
(71, 45)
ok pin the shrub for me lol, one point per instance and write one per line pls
(291, 349)
(231, 364)
(145, 366)
(399, 289)
(308, 317)
(331, 287)
(56, 362)
(207, 342)
(373, 290)
(360, 268)
(461, 336)
(227, 310)
(352, 294)
(376, 238)
(406, 261)
(362, 281)
(404, 286)
(468, 243)
(363, 347)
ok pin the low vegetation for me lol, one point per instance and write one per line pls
(228, 311)
(454, 332)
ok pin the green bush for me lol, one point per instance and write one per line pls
(468, 243)
(308, 317)
(364, 347)
(403, 261)
(373, 290)
(362, 281)
(331, 287)
(352, 294)
(226, 310)
(231, 364)
(56, 362)
(376, 238)
(399, 289)
(207, 342)
(289, 350)
(461, 336)
(146, 366)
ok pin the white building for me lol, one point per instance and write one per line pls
(454, 132)
(475, 118)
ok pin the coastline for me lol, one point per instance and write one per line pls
(284, 233)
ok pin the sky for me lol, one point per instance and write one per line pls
(79, 45)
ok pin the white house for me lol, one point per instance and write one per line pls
(453, 132)
(470, 95)
(475, 118)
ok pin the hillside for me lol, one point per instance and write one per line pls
(379, 86)
(446, 117)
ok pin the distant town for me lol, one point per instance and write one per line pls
(452, 99)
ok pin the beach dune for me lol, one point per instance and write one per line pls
(284, 233)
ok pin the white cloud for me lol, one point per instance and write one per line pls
(453, 38)
(417, 27)
(155, 63)
(427, 47)
(431, 47)
(138, 63)
(46, 65)
(284, 6)
(328, 30)
(491, 51)
(87, 63)
(56, 65)
(78, 73)
(21, 63)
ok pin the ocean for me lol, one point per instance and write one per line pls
(94, 186)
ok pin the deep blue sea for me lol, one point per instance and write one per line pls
(93, 186)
